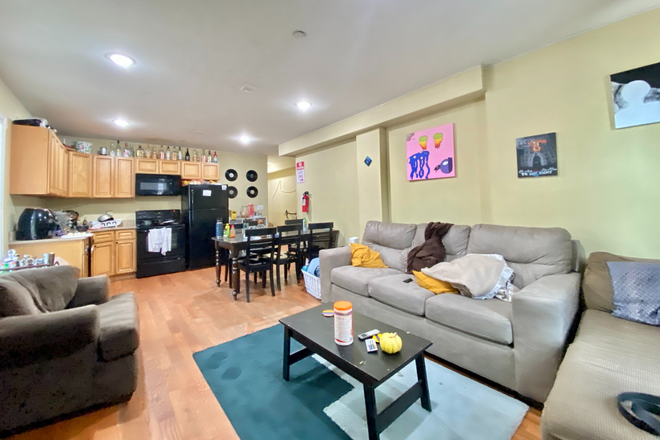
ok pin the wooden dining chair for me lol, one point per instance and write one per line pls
(289, 236)
(259, 256)
(294, 221)
(321, 236)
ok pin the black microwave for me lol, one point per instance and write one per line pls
(157, 185)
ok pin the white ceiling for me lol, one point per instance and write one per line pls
(193, 56)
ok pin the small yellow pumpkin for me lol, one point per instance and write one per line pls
(390, 343)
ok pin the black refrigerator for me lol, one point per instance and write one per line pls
(201, 207)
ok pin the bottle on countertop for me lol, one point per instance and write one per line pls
(128, 151)
(225, 234)
(232, 232)
(187, 155)
(203, 156)
(113, 153)
(218, 228)
(117, 148)
(168, 153)
(161, 153)
(154, 152)
(215, 157)
(147, 151)
(179, 154)
(194, 157)
(139, 152)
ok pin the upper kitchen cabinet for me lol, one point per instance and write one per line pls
(210, 171)
(171, 167)
(146, 166)
(39, 162)
(124, 176)
(113, 177)
(191, 170)
(80, 175)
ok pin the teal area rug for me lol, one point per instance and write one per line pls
(321, 402)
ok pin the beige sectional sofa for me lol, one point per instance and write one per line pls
(518, 344)
(609, 356)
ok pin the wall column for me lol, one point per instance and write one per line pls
(373, 180)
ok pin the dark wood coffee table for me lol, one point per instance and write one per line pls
(316, 333)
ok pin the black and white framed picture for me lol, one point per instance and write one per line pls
(636, 96)
(537, 155)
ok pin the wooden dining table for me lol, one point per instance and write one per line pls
(239, 243)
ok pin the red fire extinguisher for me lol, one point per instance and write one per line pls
(305, 201)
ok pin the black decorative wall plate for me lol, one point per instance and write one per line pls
(232, 192)
(231, 175)
(252, 192)
(252, 176)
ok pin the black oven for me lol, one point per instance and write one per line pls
(157, 185)
(155, 263)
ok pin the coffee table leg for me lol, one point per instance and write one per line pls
(286, 353)
(421, 376)
(372, 412)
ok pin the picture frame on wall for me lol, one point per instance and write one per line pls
(636, 96)
(537, 155)
(430, 153)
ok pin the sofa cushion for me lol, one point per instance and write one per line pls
(488, 319)
(609, 356)
(392, 240)
(119, 327)
(356, 279)
(597, 284)
(392, 290)
(455, 241)
(51, 288)
(531, 252)
(15, 300)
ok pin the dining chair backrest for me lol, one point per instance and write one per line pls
(289, 235)
(295, 221)
(264, 244)
(321, 237)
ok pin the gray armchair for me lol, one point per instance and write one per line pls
(65, 346)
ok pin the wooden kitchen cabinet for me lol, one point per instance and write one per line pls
(191, 170)
(75, 251)
(124, 175)
(113, 177)
(171, 167)
(210, 171)
(103, 259)
(39, 162)
(102, 181)
(146, 166)
(80, 174)
(114, 252)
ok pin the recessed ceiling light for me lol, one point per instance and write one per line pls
(299, 34)
(245, 139)
(303, 105)
(120, 122)
(120, 60)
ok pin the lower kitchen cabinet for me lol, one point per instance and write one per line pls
(74, 251)
(114, 252)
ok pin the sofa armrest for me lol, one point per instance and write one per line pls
(93, 290)
(328, 260)
(28, 339)
(543, 314)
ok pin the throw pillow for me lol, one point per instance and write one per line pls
(430, 283)
(15, 300)
(363, 256)
(636, 289)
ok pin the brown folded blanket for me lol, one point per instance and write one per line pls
(432, 251)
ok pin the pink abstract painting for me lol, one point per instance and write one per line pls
(430, 153)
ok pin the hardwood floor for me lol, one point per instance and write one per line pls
(181, 314)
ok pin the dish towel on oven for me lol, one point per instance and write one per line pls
(159, 240)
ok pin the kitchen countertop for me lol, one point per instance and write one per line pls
(126, 224)
(81, 236)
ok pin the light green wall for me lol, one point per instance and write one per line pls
(282, 195)
(606, 194)
(453, 200)
(331, 179)
(372, 188)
